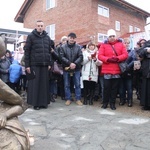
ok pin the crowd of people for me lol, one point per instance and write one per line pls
(91, 72)
(11, 69)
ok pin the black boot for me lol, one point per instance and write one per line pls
(129, 103)
(85, 100)
(112, 106)
(91, 97)
(91, 101)
(104, 105)
(85, 96)
(52, 99)
(122, 102)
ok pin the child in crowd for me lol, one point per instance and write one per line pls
(15, 72)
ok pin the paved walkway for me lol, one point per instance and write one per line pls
(75, 127)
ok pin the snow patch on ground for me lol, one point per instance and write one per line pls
(106, 112)
(82, 119)
(135, 121)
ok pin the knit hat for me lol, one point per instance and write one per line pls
(63, 38)
(111, 32)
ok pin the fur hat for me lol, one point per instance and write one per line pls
(111, 32)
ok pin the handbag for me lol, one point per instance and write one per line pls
(122, 65)
(57, 68)
(30, 76)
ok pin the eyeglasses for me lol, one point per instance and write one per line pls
(112, 36)
(126, 43)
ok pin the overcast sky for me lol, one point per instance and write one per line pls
(143, 4)
(9, 9)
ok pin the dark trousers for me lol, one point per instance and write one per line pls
(110, 90)
(15, 87)
(89, 87)
(61, 91)
(23, 82)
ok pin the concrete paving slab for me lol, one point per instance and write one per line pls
(73, 127)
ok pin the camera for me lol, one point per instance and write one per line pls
(93, 56)
(146, 44)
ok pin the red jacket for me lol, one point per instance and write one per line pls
(106, 51)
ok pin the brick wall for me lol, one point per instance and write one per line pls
(81, 17)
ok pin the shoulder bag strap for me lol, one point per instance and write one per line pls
(114, 50)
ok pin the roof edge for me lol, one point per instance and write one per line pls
(131, 6)
(22, 11)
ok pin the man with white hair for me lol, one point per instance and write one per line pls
(111, 52)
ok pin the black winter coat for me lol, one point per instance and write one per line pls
(37, 49)
(71, 54)
(145, 63)
(4, 67)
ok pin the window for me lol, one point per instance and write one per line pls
(50, 4)
(136, 29)
(103, 11)
(117, 25)
(130, 28)
(102, 37)
(51, 31)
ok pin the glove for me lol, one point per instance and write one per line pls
(113, 60)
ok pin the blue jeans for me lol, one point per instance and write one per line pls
(76, 82)
(53, 87)
(125, 85)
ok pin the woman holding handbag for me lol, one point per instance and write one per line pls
(110, 67)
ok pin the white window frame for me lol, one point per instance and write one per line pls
(130, 28)
(101, 37)
(50, 29)
(50, 4)
(103, 11)
(117, 25)
(136, 29)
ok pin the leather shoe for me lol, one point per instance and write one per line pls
(104, 106)
(112, 106)
(129, 105)
(145, 108)
(85, 102)
(62, 98)
(44, 107)
(122, 103)
(52, 99)
(36, 108)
